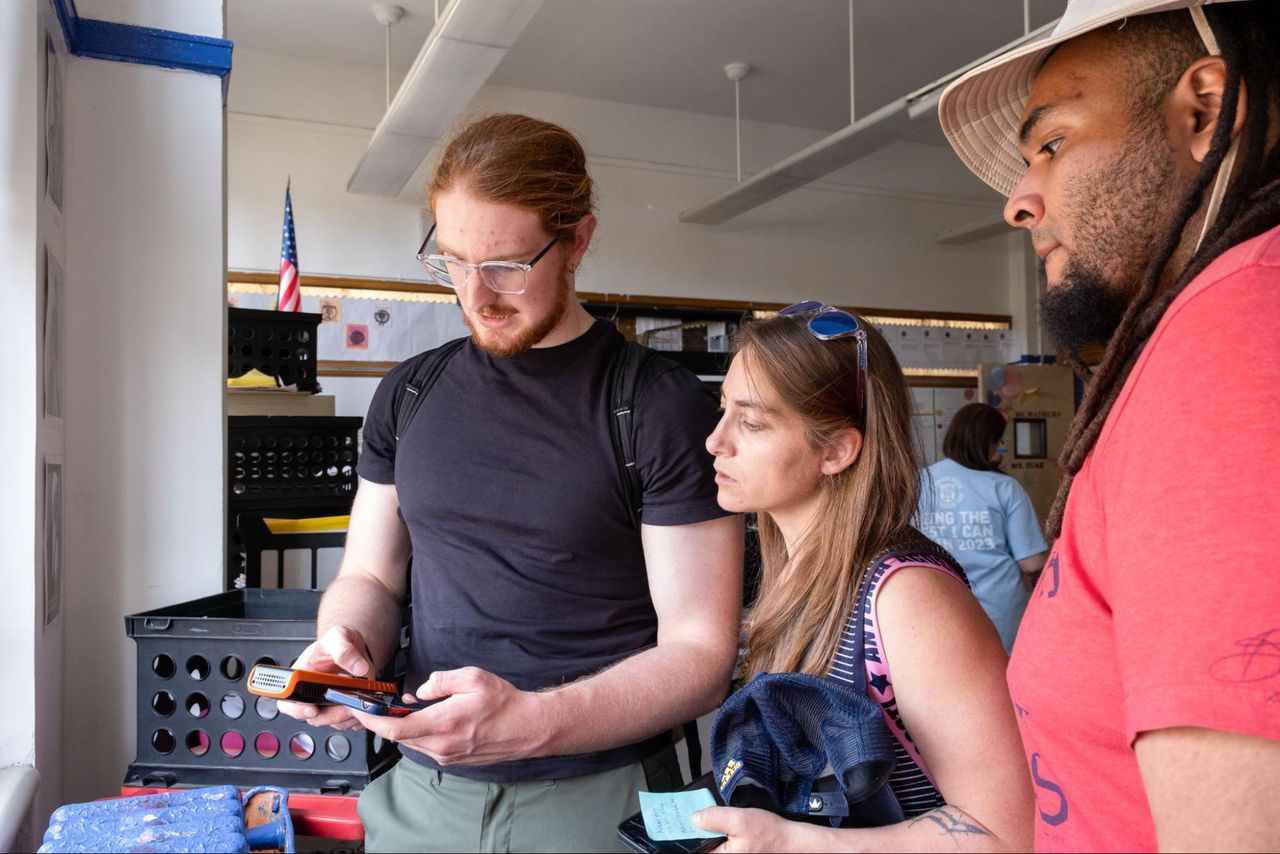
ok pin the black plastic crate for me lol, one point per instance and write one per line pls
(199, 726)
(278, 343)
(284, 459)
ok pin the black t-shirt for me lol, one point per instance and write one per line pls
(525, 560)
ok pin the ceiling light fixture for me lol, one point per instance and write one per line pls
(388, 14)
(853, 112)
(862, 137)
(736, 71)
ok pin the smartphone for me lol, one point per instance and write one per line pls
(307, 686)
(372, 702)
(633, 835)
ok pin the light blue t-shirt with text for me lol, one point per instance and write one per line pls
(986, 521)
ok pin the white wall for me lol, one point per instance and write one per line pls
(20, 48)
(833, 240)
(146, 331)
(29, 222)
(197, 17)
(50, 636)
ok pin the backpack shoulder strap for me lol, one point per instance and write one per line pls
(421, 381)
(630, 361)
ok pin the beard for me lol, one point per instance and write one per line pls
(1083, 309)
(1117, 215)
(523, 339)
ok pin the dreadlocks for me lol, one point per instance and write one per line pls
(1248, 36)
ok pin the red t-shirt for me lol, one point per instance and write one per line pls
(1160, 604)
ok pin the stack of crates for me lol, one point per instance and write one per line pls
(278, 461)
(287, 466)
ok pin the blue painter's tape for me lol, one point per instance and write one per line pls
(144, 45)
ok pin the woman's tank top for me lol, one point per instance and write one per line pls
(911, 781)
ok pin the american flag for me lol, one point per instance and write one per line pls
(290, 299)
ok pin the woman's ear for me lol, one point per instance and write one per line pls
(842, 451)
(1195, 104)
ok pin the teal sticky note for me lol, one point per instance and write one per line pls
(666, 814)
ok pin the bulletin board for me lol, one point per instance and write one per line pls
(369, 325)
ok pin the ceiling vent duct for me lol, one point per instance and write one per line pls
(468, 42)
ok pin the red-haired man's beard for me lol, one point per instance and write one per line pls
(527, 331)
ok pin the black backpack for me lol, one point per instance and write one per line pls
(629, 363)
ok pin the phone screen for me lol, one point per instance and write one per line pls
(372, 702)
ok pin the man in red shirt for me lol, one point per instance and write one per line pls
(1138, 146)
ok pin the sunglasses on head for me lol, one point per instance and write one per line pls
(827, 323)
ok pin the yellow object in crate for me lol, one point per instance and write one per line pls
(315, 524)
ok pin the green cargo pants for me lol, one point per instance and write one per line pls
(412, 808)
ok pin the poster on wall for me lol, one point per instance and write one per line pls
(53, 105)
(357, 336)
(52, 542)
(52, 336)
(330, 310)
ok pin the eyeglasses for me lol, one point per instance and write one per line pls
(829, 323)
(501, 277)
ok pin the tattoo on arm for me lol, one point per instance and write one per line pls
(953, 822)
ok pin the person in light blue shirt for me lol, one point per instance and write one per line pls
(983, 517)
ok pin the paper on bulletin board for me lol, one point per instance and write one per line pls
(1011, 346)
(946, 403)
(356, 336)
(922, 424)
(952, 348)
(718, 337)
(329, 309)
(908, 346)
(668, 338)
(932, 353)
(435, 323)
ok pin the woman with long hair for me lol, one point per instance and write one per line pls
(816, 440)
(984, 517)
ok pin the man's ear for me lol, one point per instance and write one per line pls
(582, 240)
(842, 451)
(1196, 102)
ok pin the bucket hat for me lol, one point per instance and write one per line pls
(980, 111)
(805, 746)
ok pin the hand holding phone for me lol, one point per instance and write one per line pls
(372, 702)
(633, 834)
